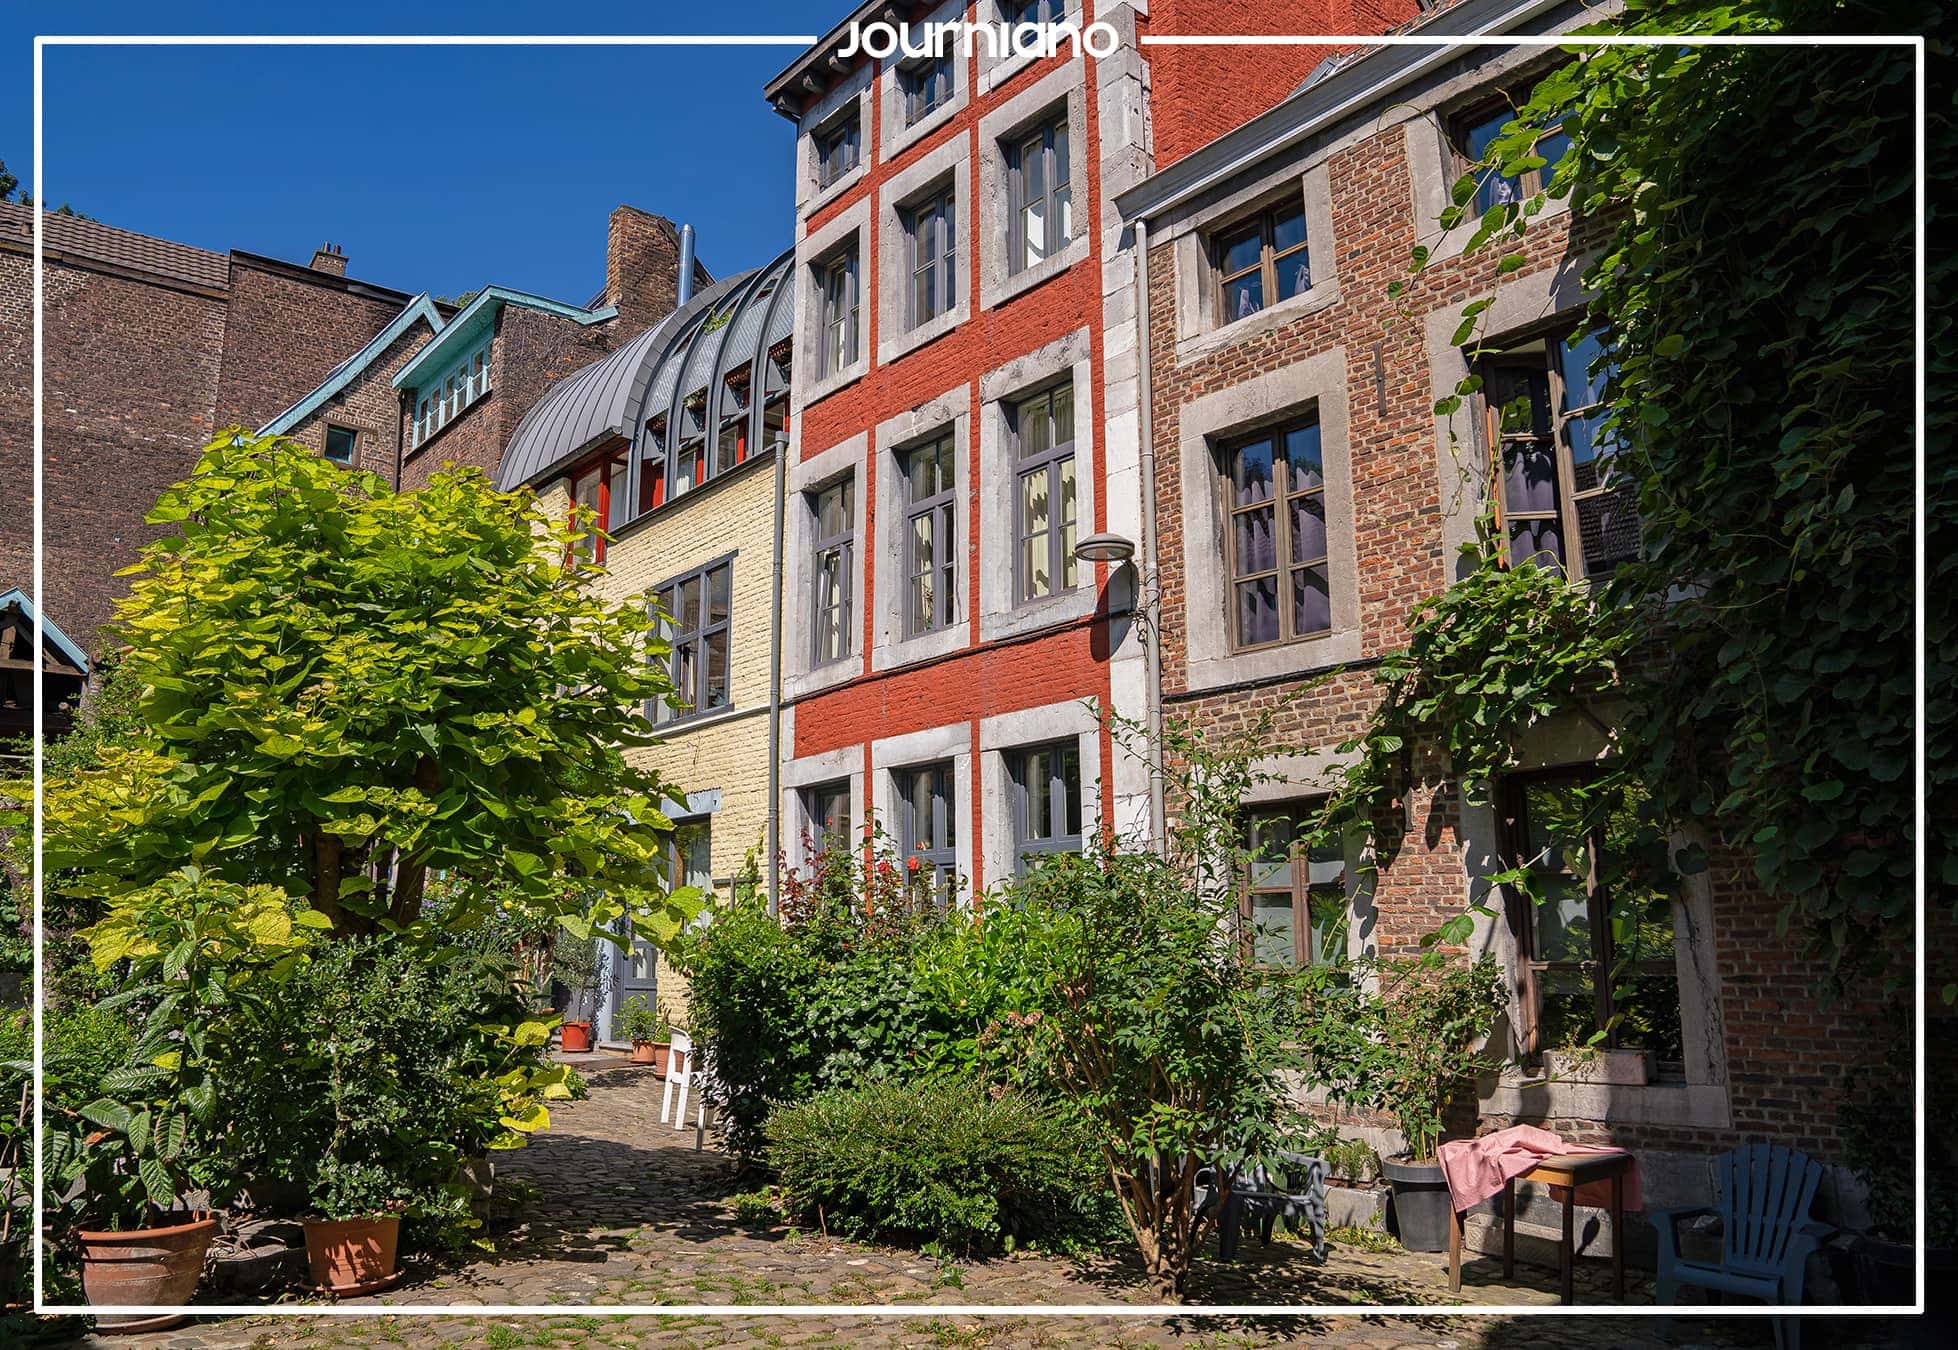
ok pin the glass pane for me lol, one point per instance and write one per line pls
(1063, 397)
(1244, 297)
(924, 292)
(616, 500)
(1494, 188)
(717, 693)
(1553, 148)
(1325, 865)
(719, 583)
(1270, 843)
(1251, 472)
(1036, 426)
(1063, 192)
(1036, 778)
(1294, 274)
(1569, 1015)
(1242, 250)
(687, 616)
(1563, 922)
(1257, 611)
(1326, 912)
(1287, 228)
(1608, 526)
(1272, 942)
(1034, 503)
(1647, 1006)
(1529, 476)
(833, 511)
(685, 673)
(1257, 551)
(1068, 772)
(1583, 387)
(1312, 610)
(1069, 564)
(728, 449)
(1538, 541)
(1308, 527)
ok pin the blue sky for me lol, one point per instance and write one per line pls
(437, 169)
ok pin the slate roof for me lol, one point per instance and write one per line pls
(93, 241)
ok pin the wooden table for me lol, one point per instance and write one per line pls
(1569, 1170)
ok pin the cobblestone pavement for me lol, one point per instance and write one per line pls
(625, 1211)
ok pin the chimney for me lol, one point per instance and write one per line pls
(329, 258)
(642, 267)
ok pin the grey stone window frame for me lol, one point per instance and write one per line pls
(1202, 329)
(1056, 458)
(937, 581)
(840, 544)
(1060, 94)
(1272, 260)
(838, 146)
(1045, 768)
(925, 84)
(349, 438)
(931, 227)
(693, 644)
(842, 766)
(839, 290)
(1049, 144)
(928, 822)
(1286, 488)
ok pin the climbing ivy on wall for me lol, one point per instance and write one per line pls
(1755, 212)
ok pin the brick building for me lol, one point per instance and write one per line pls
(963, 416)
(150, 348)
(1307, 495)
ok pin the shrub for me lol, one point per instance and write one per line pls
(941, 1162)
(84, 1045)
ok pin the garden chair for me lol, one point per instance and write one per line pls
(684, 1064)
(1255, 1194)
(1766, 1236)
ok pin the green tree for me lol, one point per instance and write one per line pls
(343, 689)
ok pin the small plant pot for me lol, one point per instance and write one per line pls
(154, 1266)
(642, 1053)
(350, 1257)
(1420, 1203)
(574, 1038)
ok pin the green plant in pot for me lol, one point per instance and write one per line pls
(574, 965)
(353, 1238)
(195, 953)
(1404, 1036)
(650, 1031)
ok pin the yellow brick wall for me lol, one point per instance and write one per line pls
(730, 752)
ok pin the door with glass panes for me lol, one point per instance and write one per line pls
(635, 966)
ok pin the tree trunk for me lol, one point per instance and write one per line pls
(326, 880)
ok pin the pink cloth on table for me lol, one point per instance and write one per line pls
(1478, 1168)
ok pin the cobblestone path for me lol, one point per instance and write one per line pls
(627, 1212)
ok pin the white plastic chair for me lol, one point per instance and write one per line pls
(679, 1072)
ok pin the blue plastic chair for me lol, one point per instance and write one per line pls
(1766, 1236)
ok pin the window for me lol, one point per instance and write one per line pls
(775, 400)
(924, 85)
(1558, 501)
(1276, 488)
(1294, 905)
(834, 509)
(928, 816)
(931, 547)
(690, 460)
(652, 466)
(599, 488)
(442, 399)
(1033, 11)
(933, 241)
(838, 147)
(1046, 801)
(837, 279)
(340, 444)
(697, 622)
(827, 809)
(1596, 944)
(1261, 261)
(731, 446)
(690, 861)
(1473, 131)
(1042, 429)
(1041, 197)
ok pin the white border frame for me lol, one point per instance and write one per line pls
(1919, 321)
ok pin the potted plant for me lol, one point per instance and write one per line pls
(1880, 1147)
(649, 1031)
(1403, 1036)
(574, 965)
(353, 1236)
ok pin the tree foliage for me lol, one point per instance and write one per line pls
(1755, 278)
(342, 689)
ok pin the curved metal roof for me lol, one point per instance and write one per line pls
(612, 397)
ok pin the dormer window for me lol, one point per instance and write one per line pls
(441, 400)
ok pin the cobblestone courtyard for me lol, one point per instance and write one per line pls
(627, 1212)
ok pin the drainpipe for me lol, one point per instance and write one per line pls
(686, 266)
(775, 680)
(1151, 588)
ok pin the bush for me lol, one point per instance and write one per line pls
(941, 1162)
(84, 1044)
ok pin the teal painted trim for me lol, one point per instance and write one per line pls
(480, 314)
(344, 374)
(16, 596)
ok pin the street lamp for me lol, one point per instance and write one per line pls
(1103, 546)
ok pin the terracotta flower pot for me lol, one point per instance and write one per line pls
(353, 1256)
(158, 1266)
(643, 1053)
(575, 1038)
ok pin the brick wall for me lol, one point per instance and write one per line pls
(371, 406)
(286, 328)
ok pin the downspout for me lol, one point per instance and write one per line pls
(775, 668)
(1151, 596)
